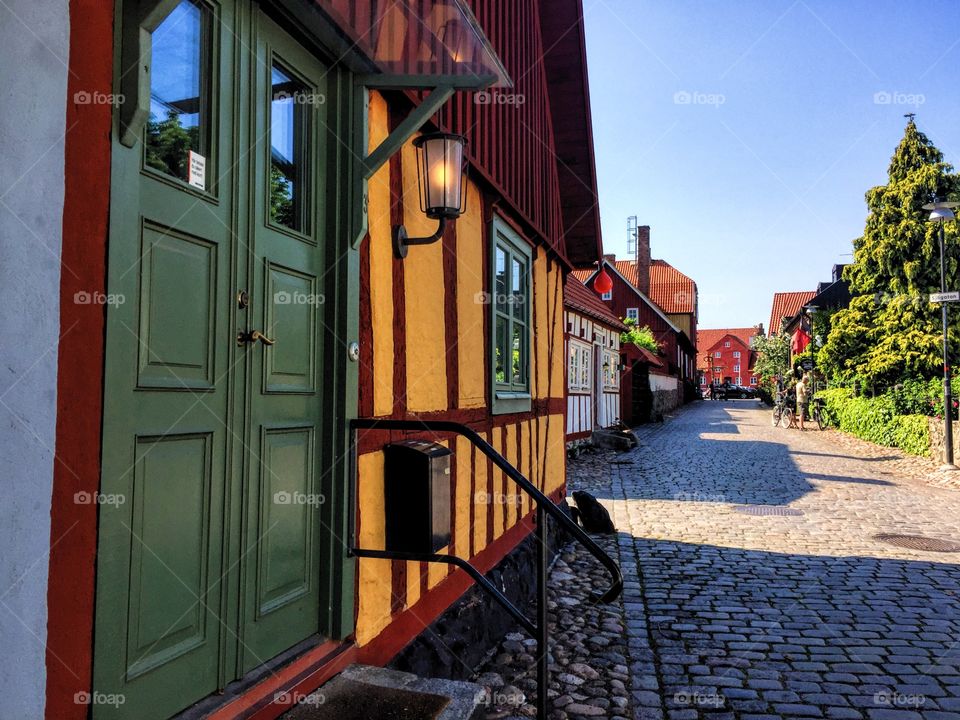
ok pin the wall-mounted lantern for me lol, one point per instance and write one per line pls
(443, 185)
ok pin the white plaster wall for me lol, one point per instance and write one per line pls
(33, 91)
(662, 382)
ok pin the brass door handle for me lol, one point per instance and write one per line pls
(252, 336)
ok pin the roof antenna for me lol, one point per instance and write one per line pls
(632, 237)
(910, 116)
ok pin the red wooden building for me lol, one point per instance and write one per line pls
(726, 356)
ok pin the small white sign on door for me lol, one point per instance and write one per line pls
(197, 170)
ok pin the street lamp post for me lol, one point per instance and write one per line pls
(940, 213)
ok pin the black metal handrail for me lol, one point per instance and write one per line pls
(545, 507)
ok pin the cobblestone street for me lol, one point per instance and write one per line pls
(805, 615)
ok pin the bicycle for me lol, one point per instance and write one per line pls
(783, 412)
(819, 413)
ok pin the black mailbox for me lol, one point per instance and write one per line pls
(417, 496)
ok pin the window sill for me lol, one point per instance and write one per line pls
(505, 402)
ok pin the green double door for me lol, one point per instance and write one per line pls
(211, 541)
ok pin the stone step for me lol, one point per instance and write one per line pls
(362, 692)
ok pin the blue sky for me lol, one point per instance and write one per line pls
(746, 133)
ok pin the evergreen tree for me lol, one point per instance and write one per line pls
(891, 331)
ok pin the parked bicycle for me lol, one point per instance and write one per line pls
(820, 413)
(783, 412)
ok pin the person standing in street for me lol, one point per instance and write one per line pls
(802, 390)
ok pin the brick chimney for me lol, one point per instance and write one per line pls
(643, 259)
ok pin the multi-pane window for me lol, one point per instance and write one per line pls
(736, 368)
(716, 354)
(511, 320)
(610, 366)
(177, 134)
(633, 313)
(726, 344)
(736, 353)
(581, 367)
(607, 295)
(753, 381)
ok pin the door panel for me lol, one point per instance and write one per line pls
(282, 591)
(212, 563)
(178, 309)
(167, 382)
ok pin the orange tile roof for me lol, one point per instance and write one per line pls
(628, 269)
(673, 291)
(787, 304)
(580, 298)
(584, 274)
(706, 339)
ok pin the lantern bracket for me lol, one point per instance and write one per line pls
(401, 242)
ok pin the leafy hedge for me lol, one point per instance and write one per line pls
(876, 419)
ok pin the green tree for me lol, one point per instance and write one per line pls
(639, 336)
(891, 331)
(773, 356)
(168, 143)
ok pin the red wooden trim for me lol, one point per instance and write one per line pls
(367, 338)
(451, 323)
(278, 692)
(410, 623)
(398, 569)
(73, 526)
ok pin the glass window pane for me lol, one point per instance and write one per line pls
(501, 349)
(178, 122)
(288, 105)
(500, 288)
(519, 290)
(518, 347)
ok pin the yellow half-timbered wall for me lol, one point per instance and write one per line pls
(485, 503)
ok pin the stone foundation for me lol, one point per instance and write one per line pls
(457, 642)
(936, 439)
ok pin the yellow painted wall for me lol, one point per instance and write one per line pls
(426, 300)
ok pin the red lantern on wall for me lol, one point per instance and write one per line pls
(603, 283)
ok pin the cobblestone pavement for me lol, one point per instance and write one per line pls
(732, 615)
(742, 616)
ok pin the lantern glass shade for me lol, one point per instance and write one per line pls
(440, 169)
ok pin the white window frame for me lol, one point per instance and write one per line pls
(726, 344)
(736, 369)
(607, 295)
(611, 375)
(753, 381)
(633, 314)
(717, 354)
(736, 353)
(580, 366)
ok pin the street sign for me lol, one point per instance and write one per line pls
(945, 297)
(807, 364)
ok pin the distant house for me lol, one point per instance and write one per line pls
(727, 356)
(592, 341)
(676, 363)
(830, 297)
(785, 306)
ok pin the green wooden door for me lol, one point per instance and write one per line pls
(281, 572)
(211, 553)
